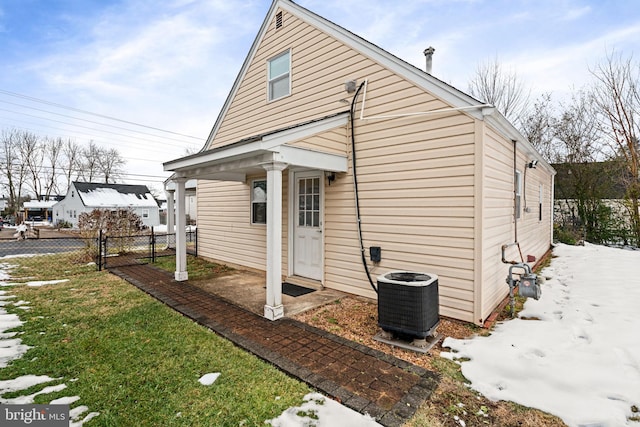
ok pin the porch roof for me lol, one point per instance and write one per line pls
(233, 162)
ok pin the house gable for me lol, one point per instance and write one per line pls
(324, 56)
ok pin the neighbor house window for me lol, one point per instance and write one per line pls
(145, 213)
(259, 201)
(518, 193)
(279, 70)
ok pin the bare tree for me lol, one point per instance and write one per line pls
(32, 156)
(12, 169)
(538, 126)
(587, 181)
(90, 164)
(502, 88)
(111, 163)
(71, 156)
(577, 131)
(616, 95)
(53, 154)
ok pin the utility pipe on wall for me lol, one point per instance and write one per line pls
(355, 185)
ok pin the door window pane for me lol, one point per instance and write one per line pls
(309, 202)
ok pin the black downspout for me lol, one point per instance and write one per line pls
(355, 187)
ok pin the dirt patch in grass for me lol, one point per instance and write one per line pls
(355, 318)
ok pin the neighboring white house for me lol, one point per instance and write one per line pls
(87, 196)
(3, 204)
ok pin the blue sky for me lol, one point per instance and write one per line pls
(170, 64)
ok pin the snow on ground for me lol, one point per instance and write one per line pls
(320, 411)
(581, 360)
(208, 379)
(11, 348)
(45, 282)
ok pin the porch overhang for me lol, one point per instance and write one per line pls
(269, 153)
(235, 161)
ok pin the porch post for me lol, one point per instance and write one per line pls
(170, 215)
(181, 233)
(273, 308)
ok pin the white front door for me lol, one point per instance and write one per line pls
(307, 229)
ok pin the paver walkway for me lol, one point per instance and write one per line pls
(364, 379)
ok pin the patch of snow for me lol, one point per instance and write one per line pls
(11, 349)
(26, 400)
(19, 256)
(162, 228)
(208, 379)
(581, 360)
(67, 400)
(45, 282)
(89, 416)
(23, 383)
(319, 411)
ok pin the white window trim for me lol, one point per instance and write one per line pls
(251, 202)
(269, 79)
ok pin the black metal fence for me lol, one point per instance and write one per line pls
(106, 251)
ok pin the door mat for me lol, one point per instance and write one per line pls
(295, 290)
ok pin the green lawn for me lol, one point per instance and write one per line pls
(136, 361)
(198, 268)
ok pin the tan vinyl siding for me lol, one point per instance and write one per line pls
(498, 217)
(334, 142)
(224, 224)
(317, 82)
(225, 231)
(416, 197)
(533, 235)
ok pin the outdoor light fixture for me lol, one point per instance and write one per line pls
(331, 176)
(532, 164)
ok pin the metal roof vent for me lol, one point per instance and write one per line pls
(278, 20)
(428, 53)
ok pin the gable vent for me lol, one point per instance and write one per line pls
(278, 20)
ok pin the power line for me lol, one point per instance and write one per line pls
(33, 99)
(85, 127)
(86, 120)
(90, 137)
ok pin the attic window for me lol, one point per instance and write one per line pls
(279, 76)
(278, 20)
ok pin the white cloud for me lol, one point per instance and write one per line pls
(567, 66)
(573, 14)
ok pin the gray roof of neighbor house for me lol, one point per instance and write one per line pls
(114, 195)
